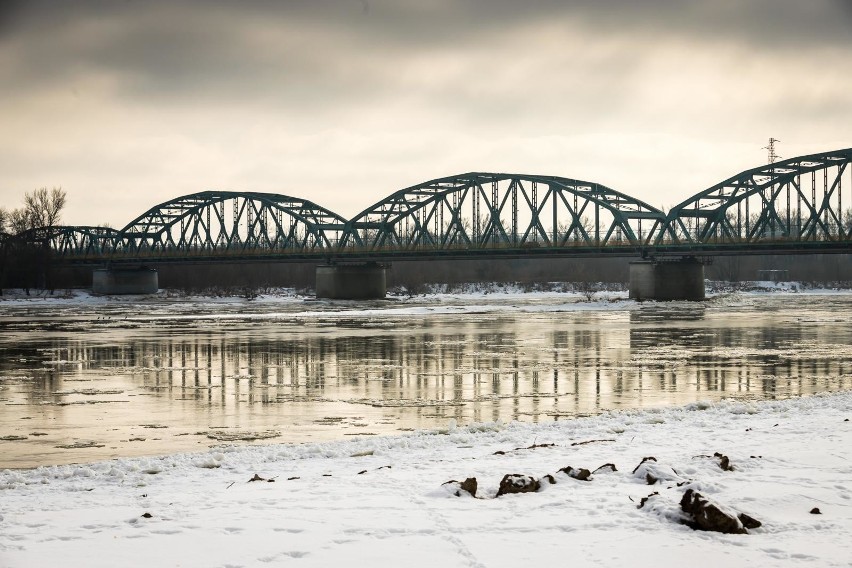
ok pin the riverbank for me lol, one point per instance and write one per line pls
(381, 500)
(580, 291)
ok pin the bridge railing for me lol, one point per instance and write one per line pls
(173, 253)
(104, 247)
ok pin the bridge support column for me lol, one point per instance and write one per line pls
(681, 279)
(125, 281)
(351, 281)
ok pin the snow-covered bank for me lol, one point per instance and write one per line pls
(465, 291)
(286, 303)
(380, 500)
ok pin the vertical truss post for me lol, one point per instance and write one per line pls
(535, 209)
(236, 231)
(407, 231)
(435, 215)
(475, 228)
(513, 187)
(555, 229)
(455, 218)
(825, 204)
(747, 220)
(739, 221)
(494, 212)
(814, 210)
(689, 221)
(788, 230)
(576, 230)
(597, 224)
(250, 229)
(799, 206)
(182, 239)
(439, 235)
(220, 240)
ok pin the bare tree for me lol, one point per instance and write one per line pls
(31, 262)
(19, 221)
(4, 220)
(586, 289)
(44, 207)
(583, 283)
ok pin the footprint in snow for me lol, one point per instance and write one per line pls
(289, 554)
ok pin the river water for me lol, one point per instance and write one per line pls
(88, 379)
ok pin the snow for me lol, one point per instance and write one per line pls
(289, 304)
(382, 501)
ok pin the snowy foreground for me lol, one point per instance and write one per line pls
(380, 501)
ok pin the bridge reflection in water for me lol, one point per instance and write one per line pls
(326, 379)
(475, 375)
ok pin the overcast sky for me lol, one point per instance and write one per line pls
(131, 103)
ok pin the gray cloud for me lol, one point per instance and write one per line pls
(161, 98)
(249, 47)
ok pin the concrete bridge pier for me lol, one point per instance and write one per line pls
(351, 281)
(676, 279)
(111, 281)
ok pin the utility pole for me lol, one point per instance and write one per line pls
(772, 157)
(771, 148)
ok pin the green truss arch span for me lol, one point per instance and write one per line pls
(802, 199)
(67, 241)
(499, 210)
(226, 222)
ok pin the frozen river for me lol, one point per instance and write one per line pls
(87, 378)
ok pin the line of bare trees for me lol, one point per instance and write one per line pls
(23, 263)
(42, 208)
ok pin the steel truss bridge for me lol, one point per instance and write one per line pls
(803, 204)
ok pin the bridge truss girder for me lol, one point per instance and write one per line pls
(226, 222)
(495, 210)
(78, 241)
(801, 199)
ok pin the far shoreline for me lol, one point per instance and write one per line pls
(478, 290)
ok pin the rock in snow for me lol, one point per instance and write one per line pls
(517, 483)
(580, 474)
(468, 486)
(709, 516)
